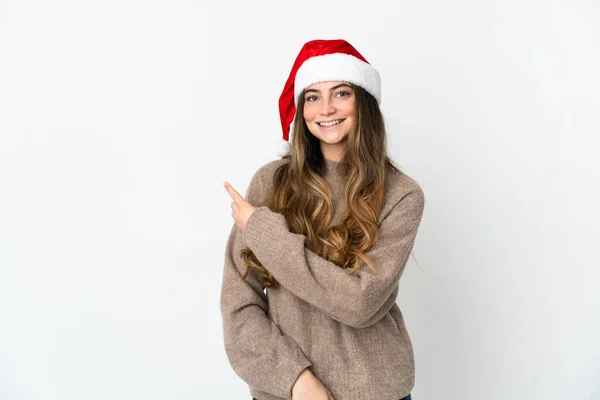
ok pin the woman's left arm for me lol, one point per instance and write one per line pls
(355, 300)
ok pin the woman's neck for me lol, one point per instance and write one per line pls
(332, 169)
(333, 151)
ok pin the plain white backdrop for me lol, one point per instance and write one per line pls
(119, 121)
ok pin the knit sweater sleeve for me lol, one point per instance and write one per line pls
(256, 348)
(355, 300)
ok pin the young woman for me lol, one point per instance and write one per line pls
(314, 259)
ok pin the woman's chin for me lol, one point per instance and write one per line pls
(333, 140)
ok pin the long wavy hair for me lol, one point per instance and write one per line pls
(304, 198)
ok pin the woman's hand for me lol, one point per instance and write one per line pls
(241, 209)
(308, 387)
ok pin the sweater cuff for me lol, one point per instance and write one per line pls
(264, 230)
(293, 375)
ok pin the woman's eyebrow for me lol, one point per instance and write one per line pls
(331, 90)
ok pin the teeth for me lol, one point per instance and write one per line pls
(330, 123)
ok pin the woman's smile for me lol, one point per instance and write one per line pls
(330, 125)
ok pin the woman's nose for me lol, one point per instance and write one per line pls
(328, 108)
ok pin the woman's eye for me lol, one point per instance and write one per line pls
(345, 93)
(310, 97)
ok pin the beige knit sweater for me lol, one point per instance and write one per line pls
(347, 329)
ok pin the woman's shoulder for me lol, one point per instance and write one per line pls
(268, 169)
(399, 182)
(262, 181)
(402, 190)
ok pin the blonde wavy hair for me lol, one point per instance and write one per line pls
(304, 198)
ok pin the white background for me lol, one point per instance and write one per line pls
(119, 121)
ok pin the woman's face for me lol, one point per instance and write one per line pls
(330, 102)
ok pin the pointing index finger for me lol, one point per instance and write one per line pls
(232, 192)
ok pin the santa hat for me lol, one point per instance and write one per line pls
(320, 61)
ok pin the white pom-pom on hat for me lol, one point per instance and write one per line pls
(284, 148)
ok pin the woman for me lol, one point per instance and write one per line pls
(326, 231)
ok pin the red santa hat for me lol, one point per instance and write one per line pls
(320, 61)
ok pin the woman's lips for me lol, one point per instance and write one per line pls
(332, 127)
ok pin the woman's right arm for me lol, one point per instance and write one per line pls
(256, 348)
